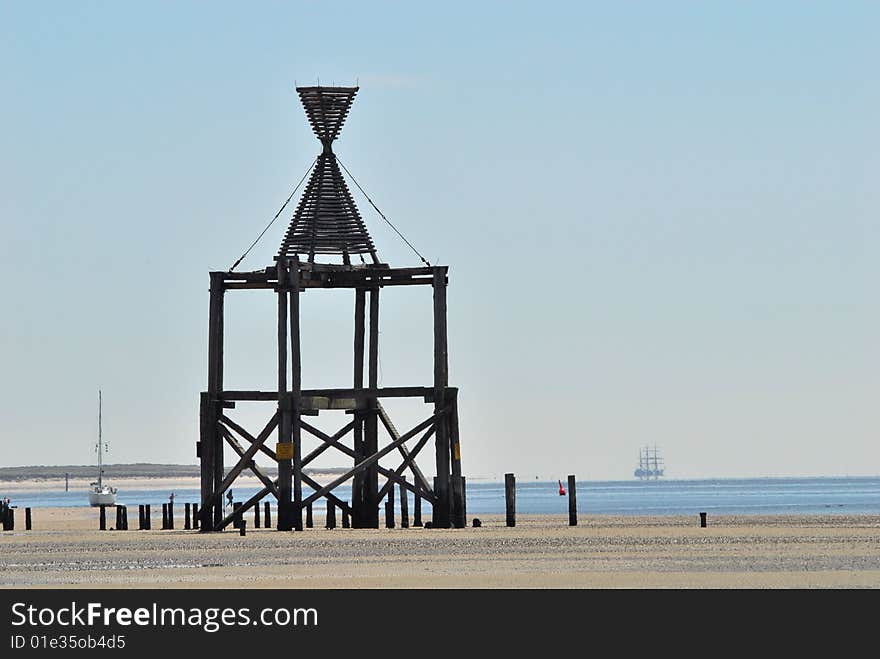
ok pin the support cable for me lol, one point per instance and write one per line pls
(280, 210)
(381, 213)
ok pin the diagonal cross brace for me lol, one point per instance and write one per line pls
(407, 461)
(389, 426)
(236, 446)
(394, 477)
(246, 457)
(373, 459)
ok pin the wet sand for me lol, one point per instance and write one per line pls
(65, 549)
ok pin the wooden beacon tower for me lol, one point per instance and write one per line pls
(326, 223)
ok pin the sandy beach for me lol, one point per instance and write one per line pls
(65, 549)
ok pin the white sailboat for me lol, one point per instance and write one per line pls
(101, 494)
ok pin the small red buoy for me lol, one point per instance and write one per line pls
(561, 489)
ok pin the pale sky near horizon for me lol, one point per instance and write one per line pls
(660, 221)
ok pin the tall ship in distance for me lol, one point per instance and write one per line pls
(100, 493)
(650, 464)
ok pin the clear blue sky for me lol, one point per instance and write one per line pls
(661, 222)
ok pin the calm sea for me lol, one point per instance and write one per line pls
(753, 496)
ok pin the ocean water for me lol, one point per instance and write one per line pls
(752, 496)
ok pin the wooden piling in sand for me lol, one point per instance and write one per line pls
(148, 522)
(164, 516)
(331, 515)
(186, 512)
(195, 514)
(346, 521)
(389, 510)
(236, 512)
(257, 516)
(417, 510)
(572, 502)
(703, 520)
(510, 498)
(27, 519)
(267, 515)
(310, 521)
(404, 506)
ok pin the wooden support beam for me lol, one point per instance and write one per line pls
(369, 515)
(327, 440)
(285, 426)
(441, 510)
(296, 393)
(457, 503)
(268, 482)
(245, 456)
(215, 382)
(572, 502)
(357, 486)
(359, 395)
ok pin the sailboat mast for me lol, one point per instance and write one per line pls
(100, 446)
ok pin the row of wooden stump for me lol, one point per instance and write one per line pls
(191, 516)
(7, 517)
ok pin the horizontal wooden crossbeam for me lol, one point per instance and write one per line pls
(322, 398)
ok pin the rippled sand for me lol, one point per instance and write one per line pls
(66, 549)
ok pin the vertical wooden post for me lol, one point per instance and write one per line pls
(357, 486)
(703, 520)
(241, 526)
(186, 512)
(345, 520)
(125, 518)
(119, 518)
(102, 519)
(267, 515)
(257, 515)
(285, 465)
(296, 393)
(140, 517)
(417, 510)
(237, 519)
(441, 509)
(148, 522)
(310, 522)
(205, 452)
(510, 498)
(27, 519)
(459, 520)
(331, 515)
(210, 448)
(389, 509)
(404, 506)
(572, 502)
(164, 516)
(195, 516)
(371, 422)
(170, 515)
